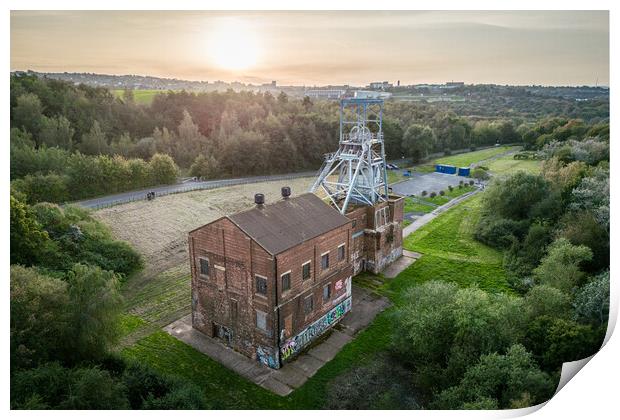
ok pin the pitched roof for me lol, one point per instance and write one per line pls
(286, 223)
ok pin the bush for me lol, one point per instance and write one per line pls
(450, 188)
(442, 193)
(592, 301)
(424, 193)
(51, 188)
(509, 381)
(561, 267)
(471, 182)
(498, 232)
(433, 194)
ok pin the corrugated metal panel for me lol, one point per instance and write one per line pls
(286, 223)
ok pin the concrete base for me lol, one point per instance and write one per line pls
(366, 305)
(394, 269)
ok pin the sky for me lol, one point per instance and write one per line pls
(320, 48)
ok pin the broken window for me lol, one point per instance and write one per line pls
(327, 292)
(381, 216)
(305, 271)
(204, 266)
(325, 261)
(261, 285)
(308, 305)
(341, 252)
(286, 281)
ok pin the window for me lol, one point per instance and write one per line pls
(381, 216)
(308, 305)
(305, 271)
(204, 266)
(261, 285)
(286, 281)
(261, 320)
(327, 292)
(341, 253)
(325, 261)
(233, 310)
(354, 223)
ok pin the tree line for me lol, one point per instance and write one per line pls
(219, 134)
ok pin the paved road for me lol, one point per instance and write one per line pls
(126, 197)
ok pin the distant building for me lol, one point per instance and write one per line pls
(455, 84)
(371, 94)
(325, 93)
(379, 85)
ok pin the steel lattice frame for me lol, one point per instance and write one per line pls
(359, 162)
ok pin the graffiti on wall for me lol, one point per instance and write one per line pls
(267, 358)
(295, 344)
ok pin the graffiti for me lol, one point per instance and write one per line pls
(266, 358)
(301, 340)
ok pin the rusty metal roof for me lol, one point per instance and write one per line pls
(286, 223)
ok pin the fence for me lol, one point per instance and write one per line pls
(196, 186)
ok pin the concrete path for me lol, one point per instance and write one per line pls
(365, 306)
(421, 221)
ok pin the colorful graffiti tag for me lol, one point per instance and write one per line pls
(267, 358)
(295, 344)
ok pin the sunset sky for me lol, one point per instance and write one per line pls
(306, 48)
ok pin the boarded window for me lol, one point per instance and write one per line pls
(204, 267)
(325, 261)
(308, 305)
(286, 281)
(261, 320)
(382, 216)
(261, 285)
(288, 325)
(341, 252)
(233, 310)
(327, 292)
(305, 271)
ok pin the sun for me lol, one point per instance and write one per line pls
(233, 44)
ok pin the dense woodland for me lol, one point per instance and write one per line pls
(70, 142)
(455, 347)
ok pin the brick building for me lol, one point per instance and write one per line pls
(269, 280)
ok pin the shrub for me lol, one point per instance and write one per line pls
(442, 192)
(471, 182)
(498, 232)
(424, 193)
(451, 188)
(433, 194)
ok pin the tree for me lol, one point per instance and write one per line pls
(189, 141)
(56, 132)
(516, 196)
(591, 302)
(561, 267)
(51, 187)
(511, 381)
(163, 170)
(28, 239)
(94, 142)
(479, 174)
(28, 114)
(545, 300)
(418, 141)
(203, 167)
(95, 304)
(39, 317)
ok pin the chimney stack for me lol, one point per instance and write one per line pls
(286, 192)
(259, 199)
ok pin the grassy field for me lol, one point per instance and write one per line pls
(141, 96)
(465, 159)
(449, 254)
(507, 164)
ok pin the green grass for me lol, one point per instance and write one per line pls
(415, 207)
(141, 96)
(450, 254)
(130, 323)
(427, 204)
(465, 159)
(507, 165)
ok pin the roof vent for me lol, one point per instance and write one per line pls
(259, 199)
(286, 192)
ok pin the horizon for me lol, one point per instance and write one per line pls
(516, 48)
